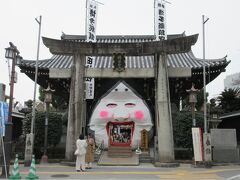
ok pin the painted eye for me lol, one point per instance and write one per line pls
(111, 105)
(130, 105)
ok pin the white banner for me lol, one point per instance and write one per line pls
(197, 144)
(3, 117)
(91, 22)
(160, 20)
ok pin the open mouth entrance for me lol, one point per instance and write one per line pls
(120, 133)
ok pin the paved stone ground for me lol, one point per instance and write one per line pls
(143, 171)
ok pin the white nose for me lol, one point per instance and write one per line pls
(121, 115)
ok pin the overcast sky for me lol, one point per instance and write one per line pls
(118, 17)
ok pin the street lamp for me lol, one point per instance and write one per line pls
(11, 53)
(47, 100)
(193, 100)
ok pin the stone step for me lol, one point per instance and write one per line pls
(120, 147)
(145, 158)
(119, 155)
(96, 157)
(105, 160)
(119, 151)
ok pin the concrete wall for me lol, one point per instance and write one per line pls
(224, 144)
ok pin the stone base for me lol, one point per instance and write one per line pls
(167, 164)
(105, 160)
(27, 163)
(227, 155)
(44, 159)
(202, 164)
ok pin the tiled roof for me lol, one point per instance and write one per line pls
(174, 60)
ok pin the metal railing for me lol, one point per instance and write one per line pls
(98, 151)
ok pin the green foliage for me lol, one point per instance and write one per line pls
(65, 118)
(41, 93)
(182, 124)
(54, 128)
(29, 103)
(229, 100)
(214, 108)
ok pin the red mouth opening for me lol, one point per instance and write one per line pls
(120, 133)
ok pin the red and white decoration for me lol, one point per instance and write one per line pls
(197, 144)
(119, 118)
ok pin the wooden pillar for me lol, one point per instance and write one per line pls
(76, 112)
(163, 108)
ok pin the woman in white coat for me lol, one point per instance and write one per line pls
(80, 153)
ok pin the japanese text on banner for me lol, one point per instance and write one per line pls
(160, 20)
(92, 8)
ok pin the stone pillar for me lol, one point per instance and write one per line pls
(70, 144)
(76, 105)
(163, 108)
(80, 94)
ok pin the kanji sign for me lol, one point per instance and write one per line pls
(160, 20)
(91, 22)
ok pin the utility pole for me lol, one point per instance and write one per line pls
(29, 147)
(204, 77)
(206, 135)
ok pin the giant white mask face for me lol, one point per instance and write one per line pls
(120, 117)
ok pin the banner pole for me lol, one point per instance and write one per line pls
(4, 158)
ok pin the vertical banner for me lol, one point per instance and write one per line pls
(160, 20)
(3, 117)
(91, 22)
(197, 144)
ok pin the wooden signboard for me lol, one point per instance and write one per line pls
(144, 140)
